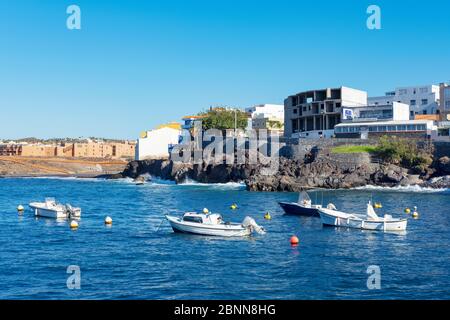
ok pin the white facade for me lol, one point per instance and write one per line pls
(155, 143)
(267, 111)
(421, 99)
(394, 111)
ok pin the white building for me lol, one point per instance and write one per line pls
(155, 144)
(421, 99)
(444, 107)
(405, 128)
(266, 116)
(266, 111)
(395, 111)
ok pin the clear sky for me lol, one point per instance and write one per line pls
(135, 64)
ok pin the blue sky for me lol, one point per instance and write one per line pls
(136, 64)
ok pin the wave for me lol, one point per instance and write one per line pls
(413, 188)
(227, 185)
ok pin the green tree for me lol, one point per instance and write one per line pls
(223, 119)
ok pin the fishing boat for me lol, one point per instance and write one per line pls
(369, 221)
(213, 225)
(303, 207)
(51, 209)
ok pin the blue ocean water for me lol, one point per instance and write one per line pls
(140, 257)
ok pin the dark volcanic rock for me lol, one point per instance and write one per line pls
(444, 166)
(292, 175)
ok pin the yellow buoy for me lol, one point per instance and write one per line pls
(20, 208)
(378, 206)
(233, 206)
(205, 210)
(108, 221)
(267, 216)
(73, 225)
(407, 210)
(415, 215)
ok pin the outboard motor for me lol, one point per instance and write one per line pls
(331, 206)
(70, 211)
(251, 223)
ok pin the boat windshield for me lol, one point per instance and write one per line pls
(304, 198)
(192, 219)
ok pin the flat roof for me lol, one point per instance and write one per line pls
(385, 123)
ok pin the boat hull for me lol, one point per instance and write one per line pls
(47, 213)
(296, 209)
(222, 230)
(392, 226)
(41, 210)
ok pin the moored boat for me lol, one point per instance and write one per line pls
(213, 225)
(370, 221)
(51, 209)
(303, 207)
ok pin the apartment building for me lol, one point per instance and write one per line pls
(422, 100)
(444, 106)
(72, 150)
(315, 113)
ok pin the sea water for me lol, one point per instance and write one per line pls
(140, 257)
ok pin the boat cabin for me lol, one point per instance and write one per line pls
(213, 218)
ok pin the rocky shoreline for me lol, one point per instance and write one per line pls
(295, 175)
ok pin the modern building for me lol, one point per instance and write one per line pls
(267, 116)
(444, 106)
(156, 144)
(395, 111)
(421, 99)
(405, 128)
(315, 113)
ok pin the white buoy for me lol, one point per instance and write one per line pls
(108, 221)
(73, 224)
(20, 208)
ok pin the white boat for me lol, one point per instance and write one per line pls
(213, 225)
(51, 209)
(369, 221)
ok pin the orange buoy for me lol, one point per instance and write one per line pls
(294, 240)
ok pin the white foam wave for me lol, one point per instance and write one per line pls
(413, 188)
(227, 185)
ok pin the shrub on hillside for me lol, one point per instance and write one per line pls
(403, 152)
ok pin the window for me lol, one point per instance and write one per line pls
(295, 111)
(413, 102)
(294, 125)
(411, 113)
(411, 127)
(193, 219)
(424, 101)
